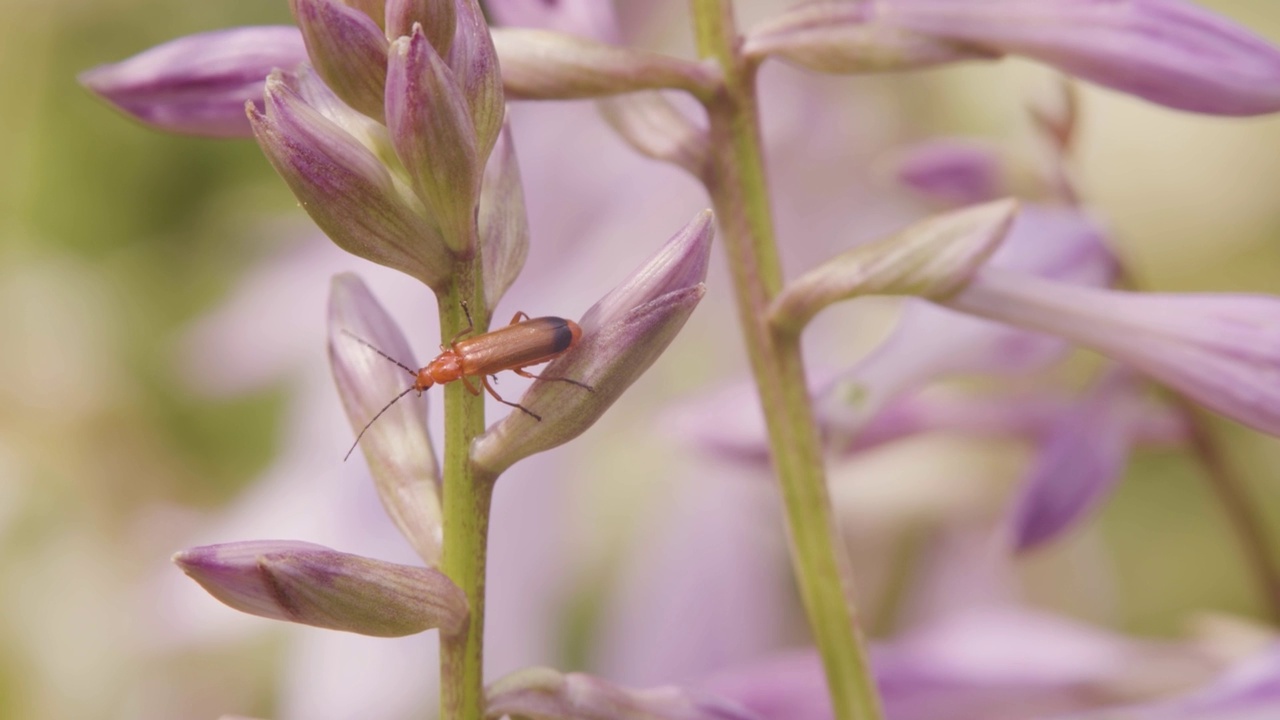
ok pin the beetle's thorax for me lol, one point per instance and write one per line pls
(444, 369)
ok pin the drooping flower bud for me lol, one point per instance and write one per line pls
(932, 258)
(433, 134)
(543, 65)
(546, 694)
(345, 189)
(198, 84)
(654, 127)
(1221, 350)
(503, 222)
(953, 171)
(622, 335)
(313, 585)
(348, 49)
(398, 446)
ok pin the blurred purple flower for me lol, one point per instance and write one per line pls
(1081, 458)
(1220, 350)
(1170, 52)
(952, 170)
(198, 84)
(545, 694)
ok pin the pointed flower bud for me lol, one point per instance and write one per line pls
(438, 18)
(397, 447)
(433, 135)
(475, 66)
(653, 127)
(310, 584)
(198, 85)
(850, 37)
(504, 224)
(953, 171)
(542, 65)
(348, 49)
(345, 189)
(622, 335)
(932, 258)
(1220, 350)
(545, 694)
(1081, 458)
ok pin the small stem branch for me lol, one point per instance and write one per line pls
(1241, 511)
(739, 192)
(466, 511)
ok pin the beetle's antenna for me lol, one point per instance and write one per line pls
(375, 417)
(371, 346)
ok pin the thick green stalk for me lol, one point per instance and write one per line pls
(466, 511)
(739, 192)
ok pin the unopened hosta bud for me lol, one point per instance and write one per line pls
(438, 18)
(345, 189)
(348, 49)
(540, 64)
(433, 134)
(932, 258)
(654, 127)
(503, 222)
(397, 446)
(545, 694)
(622, 335)
(475, 66)
(314, 585)
(198, 85)
(850, 37)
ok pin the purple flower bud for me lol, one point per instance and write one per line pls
(475, 66)
(345, 188)
(622, 335)
(313, 585)
(851, 37)
(953, 171)
(541, 65)
(656, 128)
(1170, 52)
(1220, 350)
(348, 49)
(198, 85)
(545, 694)
(438, 18)
(397, 447)
(1079, 461)
(503, 222)
(932, 258)
(433, 135)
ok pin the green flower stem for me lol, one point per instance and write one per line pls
(466, 510)
(736, 182)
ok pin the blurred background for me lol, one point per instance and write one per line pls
(163, 379)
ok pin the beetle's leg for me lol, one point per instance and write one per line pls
(498, 397)
(525, 373)
(470, 388)
(466, 331)
(521, 315)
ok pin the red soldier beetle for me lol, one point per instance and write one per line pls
(521, 344)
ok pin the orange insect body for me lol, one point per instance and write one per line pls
(519, 345)
(523, 343)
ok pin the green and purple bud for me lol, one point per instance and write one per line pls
(398, 446)
(346, 189)
(313, 585)
(622, 335)
(438, 18)
(656, 128)
(503, 222)
(432, 131)
(932, 258)
(546, 694)
(475, 66)
(347, 49)
(198, 85)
